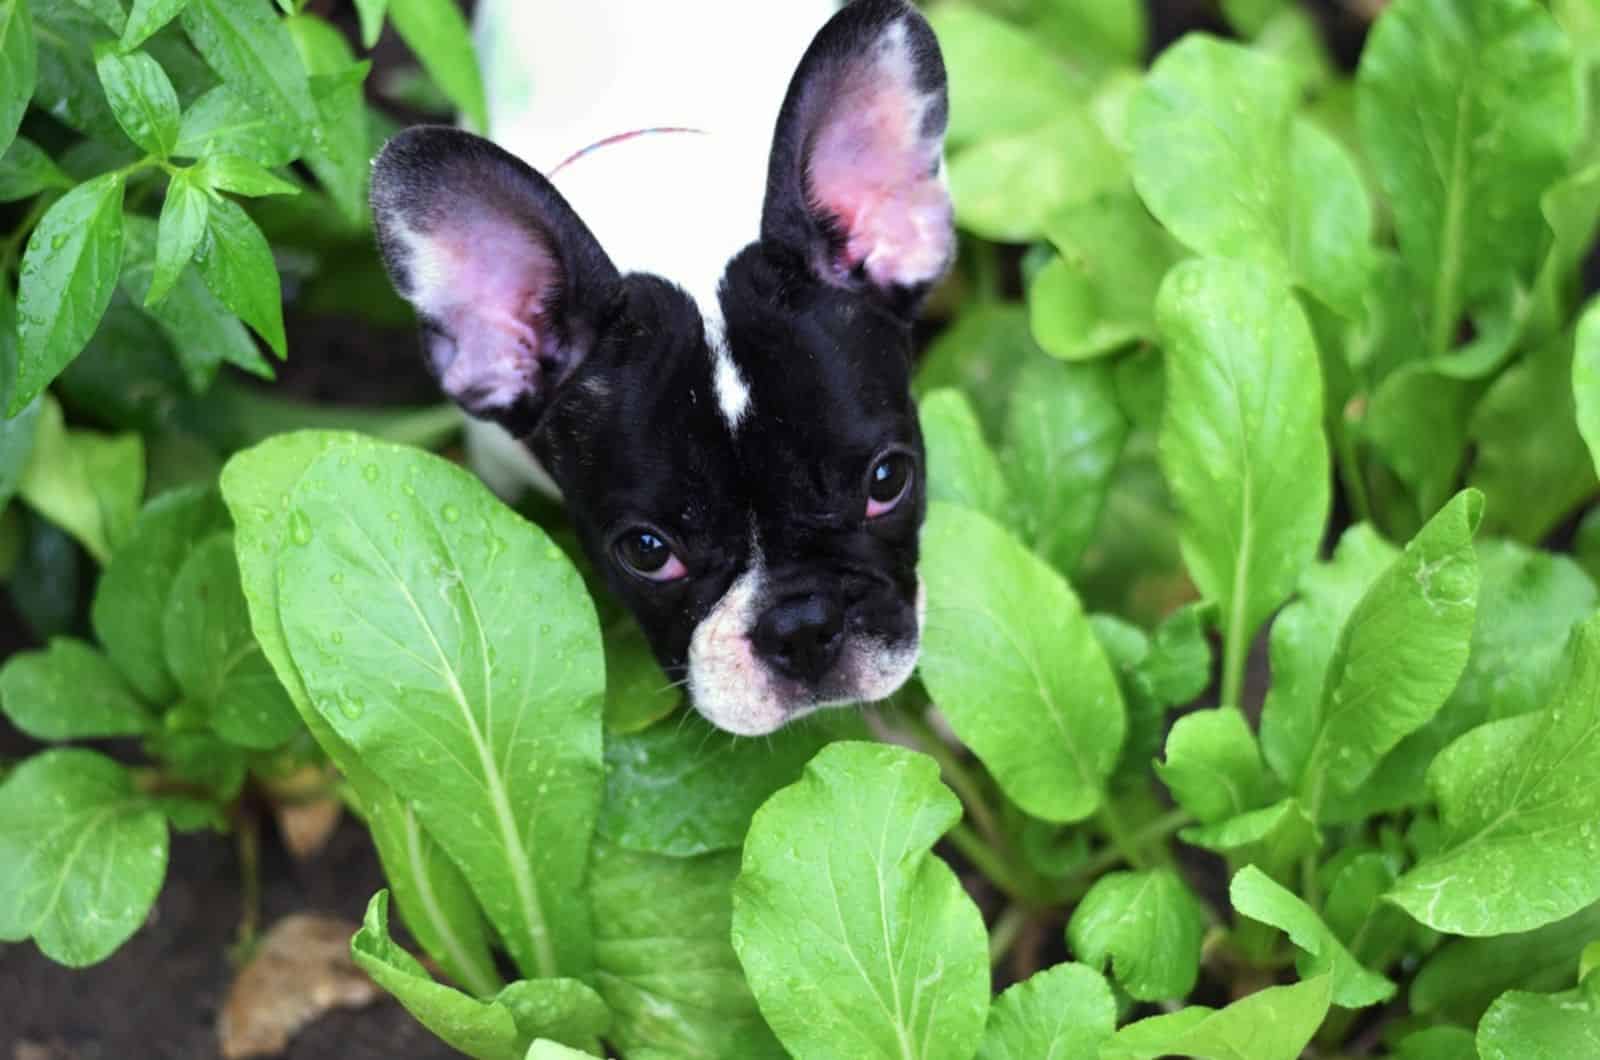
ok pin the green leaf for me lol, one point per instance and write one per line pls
(17, 434)
(1011, 661)
(1437, 1043)
(1003, 79)
(183, 225)
(663, 959)
(222, 121)
(1586, 379)
(18, 66)
(148, 17)
(437, 33)
(214, 657)
(548, 1050)
(1523, 1026)
(482, 1029)
(1254, 894)
(86, 483)
(566, 1010)
(1064, 434)
(1417, 421)
(69, 273)
(340, 155)
(1154, 674)
(1219, 115)
(1065, 1011)
(1007, 186)
(434, 897)
(25, 171)
(1148, 926)
(683, 788)
(240, 175)
(82, 855)
(1241, 441)
(141, 96)
(470, 720)
(1464, 976)
(1099, 294)
(202, 332)
(980, 354)
(856, 940)
(638, 694)
(962, 468)
(1517, 807)
(1304, 636)
(108, 11)
(372, 13)
(236, 263)
(1466, 116)
(136, 584)
(1275, 836)
(1213, 765)
(1271, 1024)
(1399, 654)
(1532, 464)
(249, 47)
(69, 692)
(67, 86)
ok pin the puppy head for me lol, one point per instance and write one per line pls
(748, 475)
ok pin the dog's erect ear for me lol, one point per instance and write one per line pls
(856, 181)
(510, 286)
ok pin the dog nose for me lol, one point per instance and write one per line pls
(800, 637)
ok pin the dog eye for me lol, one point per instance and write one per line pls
(887, 484)
(646, 554)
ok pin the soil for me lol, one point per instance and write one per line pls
(159, 995)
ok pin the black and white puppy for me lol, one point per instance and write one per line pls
(704, 336)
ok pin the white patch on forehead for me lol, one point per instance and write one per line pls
(733, 393)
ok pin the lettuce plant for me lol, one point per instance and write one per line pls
(1252, 720)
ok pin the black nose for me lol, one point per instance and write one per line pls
(800, 636)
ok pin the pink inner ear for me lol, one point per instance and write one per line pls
(486, 280)
(872, 170)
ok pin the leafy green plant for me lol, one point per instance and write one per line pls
(1251, 721)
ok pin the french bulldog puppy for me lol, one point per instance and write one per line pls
(699, 327)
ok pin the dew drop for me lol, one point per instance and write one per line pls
(370, 472)
(351, 707)
(337, 638)
(336, 578)
(299, 527)
(451, 513)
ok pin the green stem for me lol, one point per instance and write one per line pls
(1117, 831)
(1160, 829)
(250, 869)
(1355, 484)
(956, 775)
(986, 282)
(1005, 931)
(995, 866)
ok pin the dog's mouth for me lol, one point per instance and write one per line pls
(743, 685)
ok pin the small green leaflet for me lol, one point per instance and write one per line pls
(249, 47)
(1003, 79)
(146, 18)
(1243, 422)
(1271, 1024)
(1148, 926)
(69, 692)
(142, 98)
(1464, 976)
(69, 273)
(88, 484)
(1213, 767)
(404, 602)
(1586, 379)
(1012, 662)
(1521, 844)
(236, 263)
(82, 855)
(857, 940)
(1062, 1012)
(372, 13)
(1256, 895)
(18, 66)
(339, 156)
(25, 171)
(223, 121)
(183, 224)
(1466, 115)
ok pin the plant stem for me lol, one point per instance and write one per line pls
(957, 776)
(994, 865)
(1355, 485)
(1116, 830)
(1235, 653)
(1005, 931)
(250, 869)
(1159, 829)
